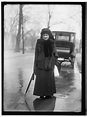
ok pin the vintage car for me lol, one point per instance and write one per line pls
(65, 45)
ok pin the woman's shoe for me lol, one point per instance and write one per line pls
(47, 97)
(42, 97)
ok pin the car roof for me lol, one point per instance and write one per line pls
(63, 32)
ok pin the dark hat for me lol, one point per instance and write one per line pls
(47, 31)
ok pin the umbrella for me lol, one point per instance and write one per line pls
(32, 78)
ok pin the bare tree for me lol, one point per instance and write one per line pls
(50, 12)
(22, 19)
(17, 47)
(10, 25)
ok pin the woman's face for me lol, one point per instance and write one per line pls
(45, 36)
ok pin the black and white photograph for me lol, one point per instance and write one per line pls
(42, 46)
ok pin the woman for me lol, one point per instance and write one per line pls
(45, 57)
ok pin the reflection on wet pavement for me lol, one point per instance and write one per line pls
(20, 76)
(65, 82)
(67, 105)
(44, 104)
(66, 98)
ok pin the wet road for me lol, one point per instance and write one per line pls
(17, 72)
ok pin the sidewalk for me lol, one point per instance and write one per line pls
(66, 98)
(60, 102)
(79, 61)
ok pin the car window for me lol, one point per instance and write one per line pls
(65, 38)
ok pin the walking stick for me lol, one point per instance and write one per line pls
(32, 78)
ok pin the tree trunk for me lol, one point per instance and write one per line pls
(22, 33)
(48, 25)
(49, 17)
(17, 47)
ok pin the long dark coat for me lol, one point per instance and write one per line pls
(45, 82)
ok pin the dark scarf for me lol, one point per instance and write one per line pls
(48, 49)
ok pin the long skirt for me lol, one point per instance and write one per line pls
(45, 83)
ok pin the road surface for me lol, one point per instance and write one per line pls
(17, 71)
